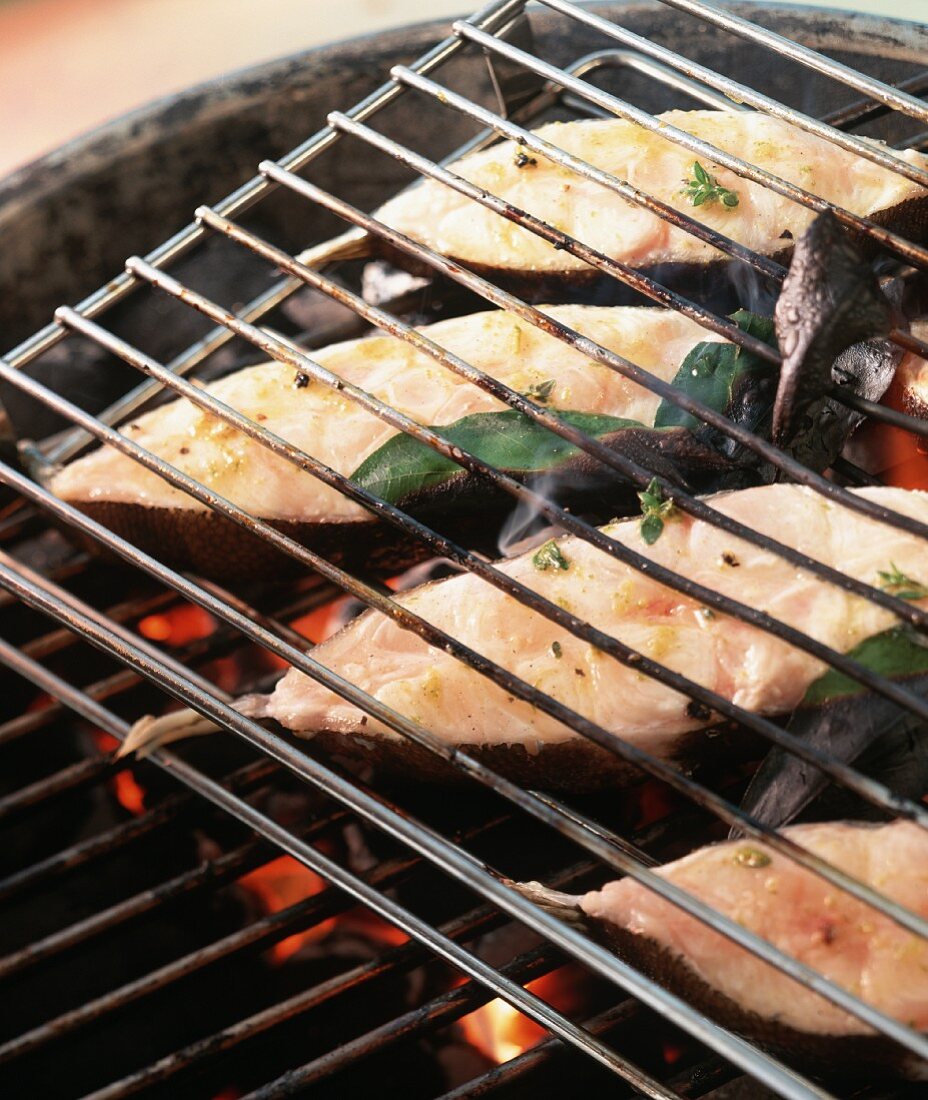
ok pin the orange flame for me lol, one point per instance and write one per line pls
(126, 788)
(129, 794)
(375, 928)
(179, 625)
(500, 1032)
(900, 457)
(279, 884)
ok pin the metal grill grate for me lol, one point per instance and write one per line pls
(498, 31)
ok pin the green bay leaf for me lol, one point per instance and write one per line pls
(895, 653)
(508, 440)
(711, 371)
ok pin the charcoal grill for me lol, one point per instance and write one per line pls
(206, 1001)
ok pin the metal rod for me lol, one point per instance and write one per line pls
(514, 1069)
(583, 836)
(493, 16)
(893, 242)
(208, 874)
(739, 93)
(862, 111)
(164, 814)
(640, 475)
(894, 98)
(441, 638)
(635, 59)
(68, 780)
(426, 841)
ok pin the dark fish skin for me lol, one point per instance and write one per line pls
(887, 743)
(851, 1059)
(830, 300)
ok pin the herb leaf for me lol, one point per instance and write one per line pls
(896, 583)
(549, 556)
(705, 188)
(717, 373)
(654, 510)
(896, 653)
(508, 440)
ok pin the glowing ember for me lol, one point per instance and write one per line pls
(500, 1032)
(899, 457)
(279, 884)
(128, 792)
(179, 625)
(672, 1052)
(365, 923)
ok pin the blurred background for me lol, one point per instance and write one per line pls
(69, 65)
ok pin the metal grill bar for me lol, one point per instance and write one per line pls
(797, 472)
(66, 781)
(410, 427)
(496, 14)
(417, 835)
(741, 93)
(165, 813)
(581, 835)
(892, 242)
(634, 59)
(36, 593)
(603, 737)
(200, 650)
(895, 98)
(862, 111)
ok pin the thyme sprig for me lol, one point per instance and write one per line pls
(549, 556)
(704, 188)
(896, 583)
(655, 511)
